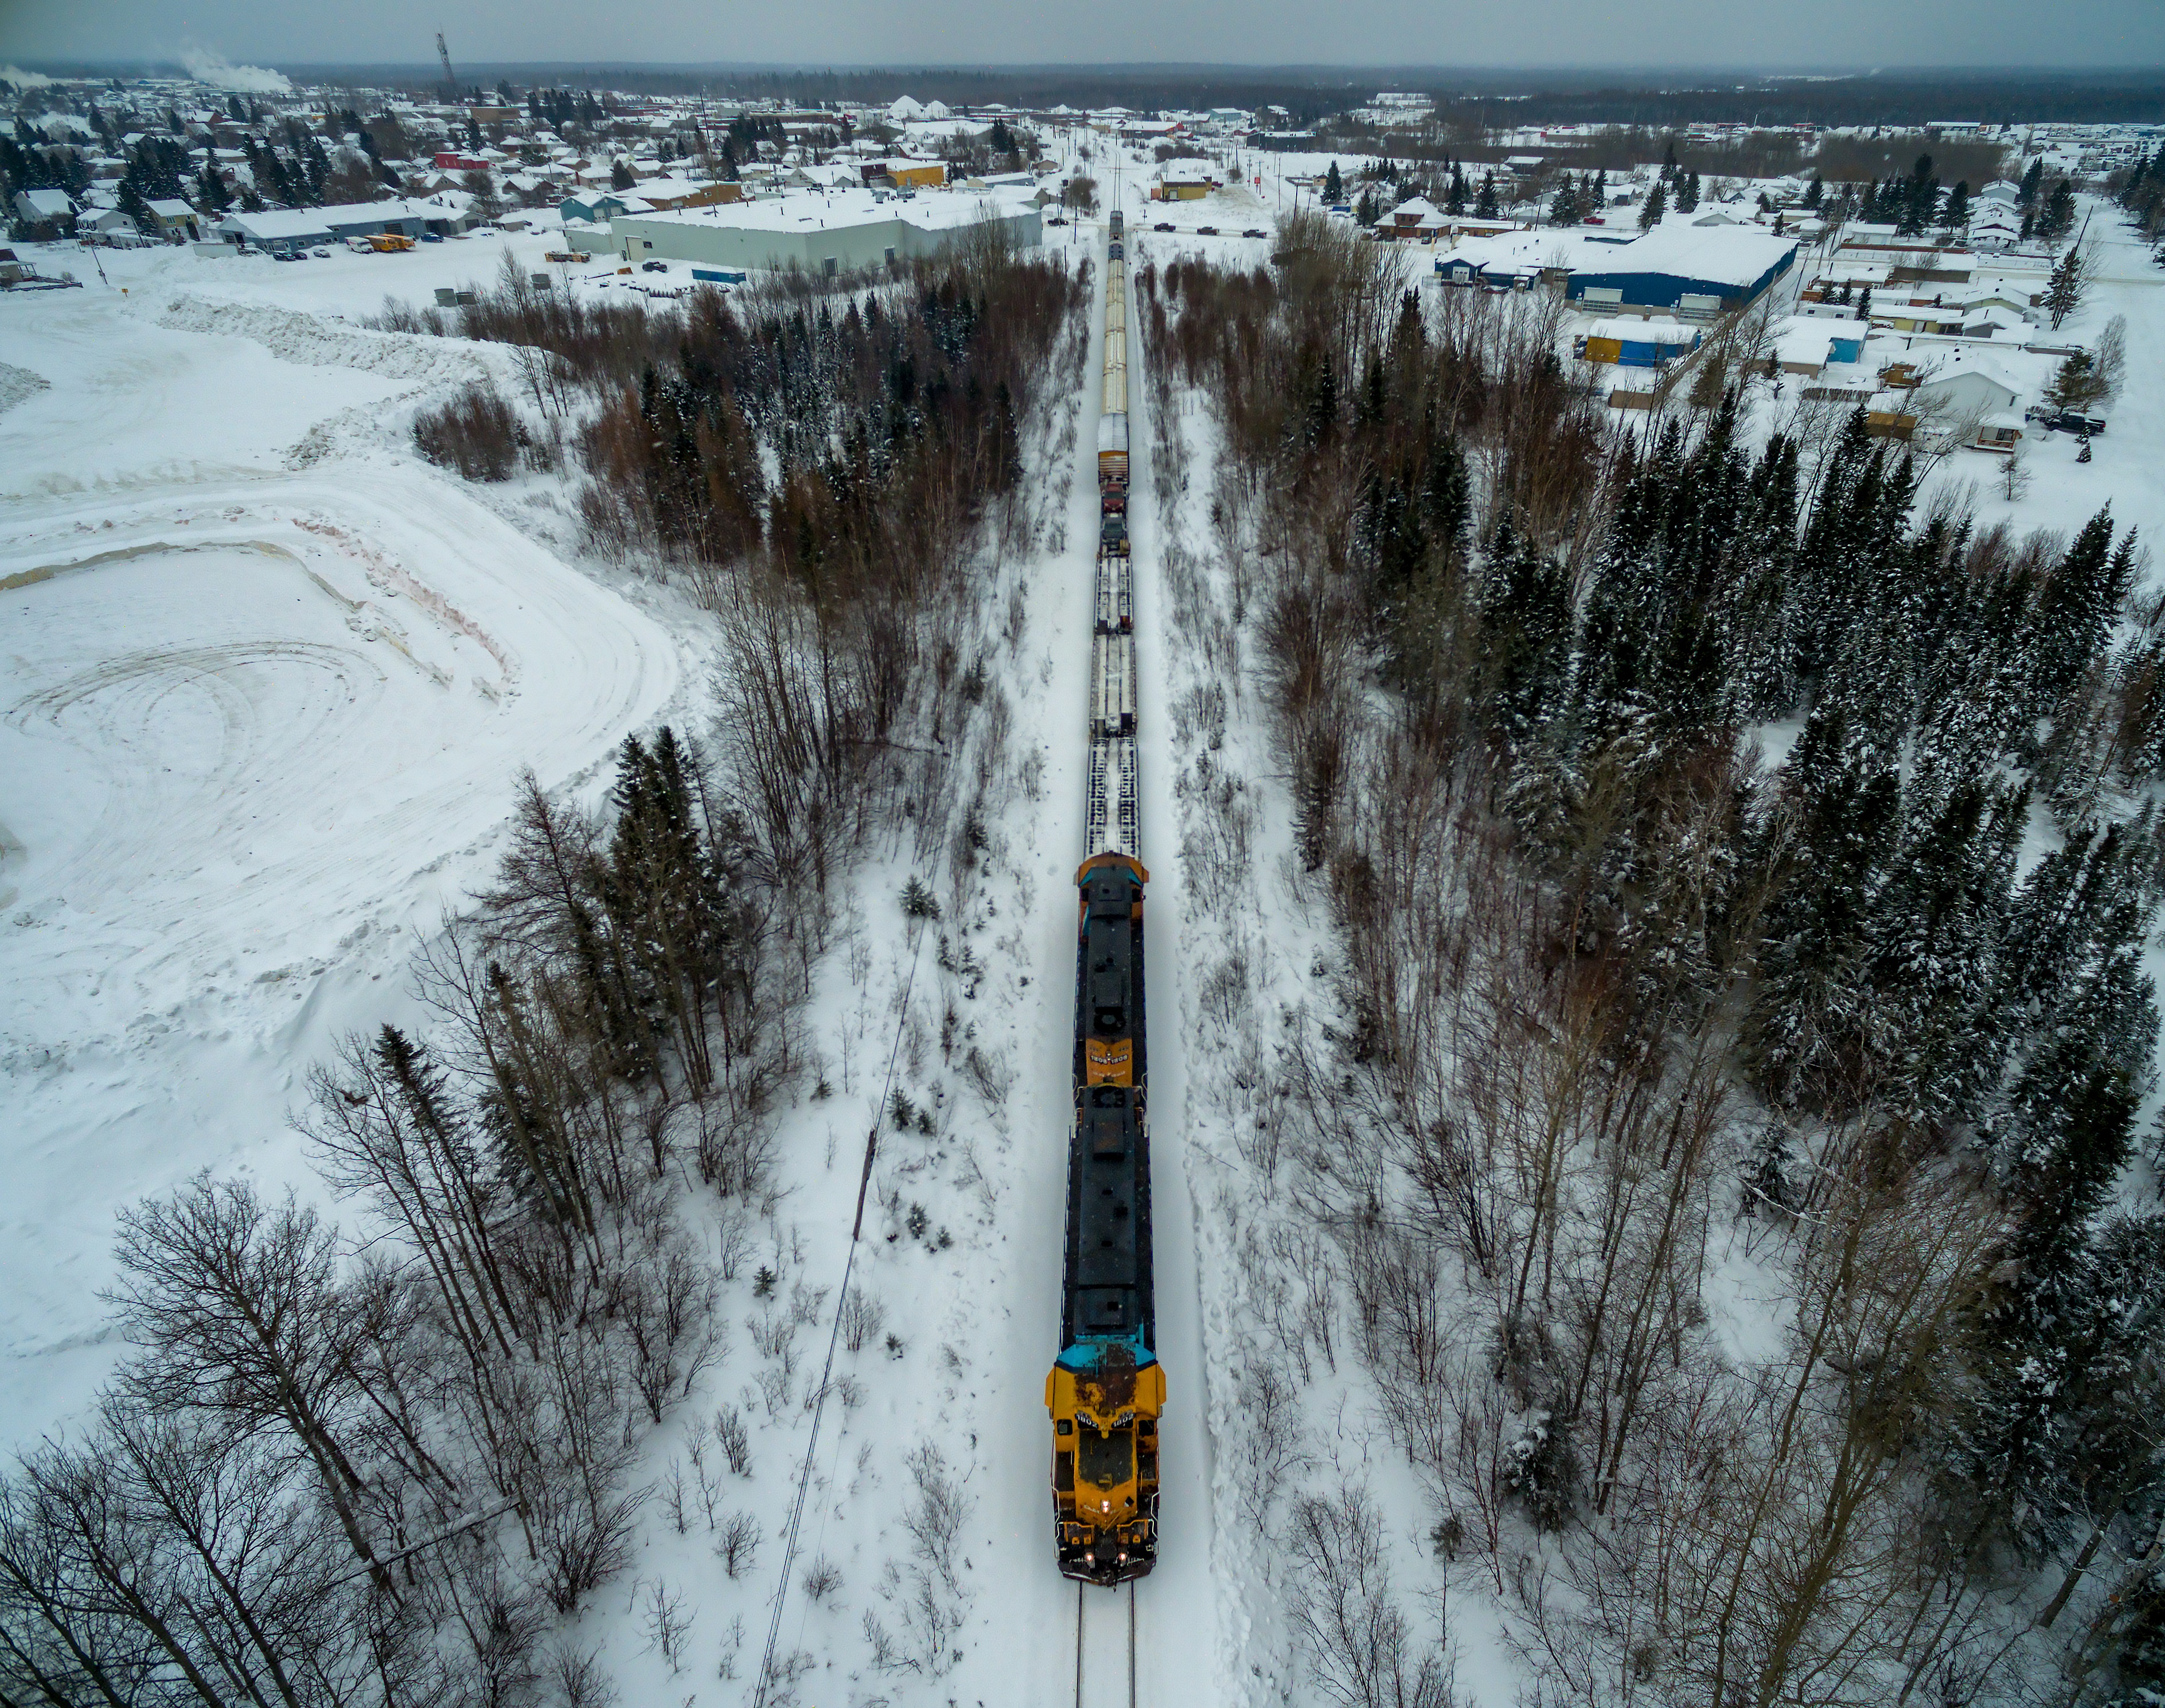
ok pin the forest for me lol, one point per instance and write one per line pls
(1723, 858)
(387, 1458)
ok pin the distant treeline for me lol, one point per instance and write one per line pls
(1764, 154)
(1658, 99)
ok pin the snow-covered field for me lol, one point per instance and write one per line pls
(267, 683)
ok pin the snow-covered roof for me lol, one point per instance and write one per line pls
(812, 210)
(904, 109)
(170, 208)
(1719, 254)
(46, 204)
(274, 224)
(1631, 329)
(1990, 366)
(1415, 207)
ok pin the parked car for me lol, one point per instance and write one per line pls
(285, 254)
(1162, 225)
(320, 253)
(654, 267)
(432, 237)
(1056, 220)
(1206, 231)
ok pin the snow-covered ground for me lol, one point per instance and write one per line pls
(266, 684)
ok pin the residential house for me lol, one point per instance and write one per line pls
(1972, 396)
(174, 220)
(45, 214)
(1415, 215)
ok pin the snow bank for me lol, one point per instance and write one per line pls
(18, 384)
(295, 337)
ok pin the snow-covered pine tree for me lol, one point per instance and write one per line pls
(1937, 1033)
(2075, 610)
(1524, 608)
(1827, 847)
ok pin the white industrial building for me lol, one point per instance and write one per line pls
(835, 233)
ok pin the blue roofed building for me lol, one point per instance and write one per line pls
(1693, 272)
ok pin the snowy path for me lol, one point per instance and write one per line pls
(255, 731)
(1178, 1635)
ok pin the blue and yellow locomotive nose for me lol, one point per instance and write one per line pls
(1105, 1398)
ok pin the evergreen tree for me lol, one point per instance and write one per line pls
(1487, 208)
(2076, 609)
(1524, 608)
(1814, 192)
(1455, 204)
(1937, 1036)
(1956, 214)
(1364, 210)
(2057, 217)
(1921, 198)
(2066, 285)
(1333, 187)
(1829, 842)
(1687, 192)
(2026, 191)
(1657, 206)
(1564, 209)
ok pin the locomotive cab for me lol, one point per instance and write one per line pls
(1105, 1398)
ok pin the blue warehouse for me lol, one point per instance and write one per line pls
(1694, 272)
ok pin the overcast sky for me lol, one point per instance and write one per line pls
(1766, 33)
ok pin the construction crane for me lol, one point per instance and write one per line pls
(450, 78)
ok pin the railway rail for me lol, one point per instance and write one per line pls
(1083, 1679)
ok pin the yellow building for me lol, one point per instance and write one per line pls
(1181, 190)
(907, 174)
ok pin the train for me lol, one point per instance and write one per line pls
(1106, 1390)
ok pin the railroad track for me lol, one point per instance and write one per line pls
(1082, 1596)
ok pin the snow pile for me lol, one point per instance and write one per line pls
(295, 337)
(17, 385)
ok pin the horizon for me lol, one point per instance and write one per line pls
(1844, 38)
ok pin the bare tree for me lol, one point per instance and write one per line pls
(236, 1305)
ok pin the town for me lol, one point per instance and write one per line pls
(1959, 291)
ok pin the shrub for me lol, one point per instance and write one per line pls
(476, 432)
